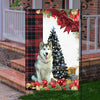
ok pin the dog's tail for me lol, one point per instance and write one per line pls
(33, 78)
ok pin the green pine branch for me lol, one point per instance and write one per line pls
(17, 3)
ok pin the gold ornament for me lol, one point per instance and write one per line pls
(68, 80)
(33, 87)
(40, 86)
(37, 88)
(74, 11)
(28, 85)
(38, 11)
(74, 88)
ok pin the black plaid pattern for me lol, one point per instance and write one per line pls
(34, 34)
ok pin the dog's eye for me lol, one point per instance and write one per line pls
(44, 48)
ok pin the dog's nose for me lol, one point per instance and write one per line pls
(46, 53)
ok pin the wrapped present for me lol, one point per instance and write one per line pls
(71, 70)
(74, 77)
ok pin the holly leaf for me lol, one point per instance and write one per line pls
(49, 14)
(43, 88)
(67, 11)
(49, 86)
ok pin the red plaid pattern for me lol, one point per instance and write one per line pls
(34, 34)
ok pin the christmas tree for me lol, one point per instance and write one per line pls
(59, 66)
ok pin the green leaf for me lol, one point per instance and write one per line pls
(49, 14)
(43, 88)
(67, 11)
(49, 86)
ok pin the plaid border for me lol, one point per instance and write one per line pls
(34, 34)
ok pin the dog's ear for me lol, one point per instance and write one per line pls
(50, 44)
(41, 44)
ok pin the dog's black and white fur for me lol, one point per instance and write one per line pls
(43, 65)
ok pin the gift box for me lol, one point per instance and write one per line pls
(72, 70)
(73, 77)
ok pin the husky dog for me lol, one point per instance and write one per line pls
(43, 65)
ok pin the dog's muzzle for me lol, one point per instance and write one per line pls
(46, 56)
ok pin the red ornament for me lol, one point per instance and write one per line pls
(36, 83)
(60, 82)
(48, 16)
(64, 83)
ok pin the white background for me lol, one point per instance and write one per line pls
(69, 44)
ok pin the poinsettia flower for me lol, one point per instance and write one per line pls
(71, 85)
(58, 22)
(44, 83)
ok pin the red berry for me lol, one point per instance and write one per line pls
(47, 89)
(53, 15)
(48, 16)
(64, 89)
(47, 11)
(59, 82)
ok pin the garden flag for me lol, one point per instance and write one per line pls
(52, 49)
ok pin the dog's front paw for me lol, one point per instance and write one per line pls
(39, 81)
(54, 79)
(33, 78)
